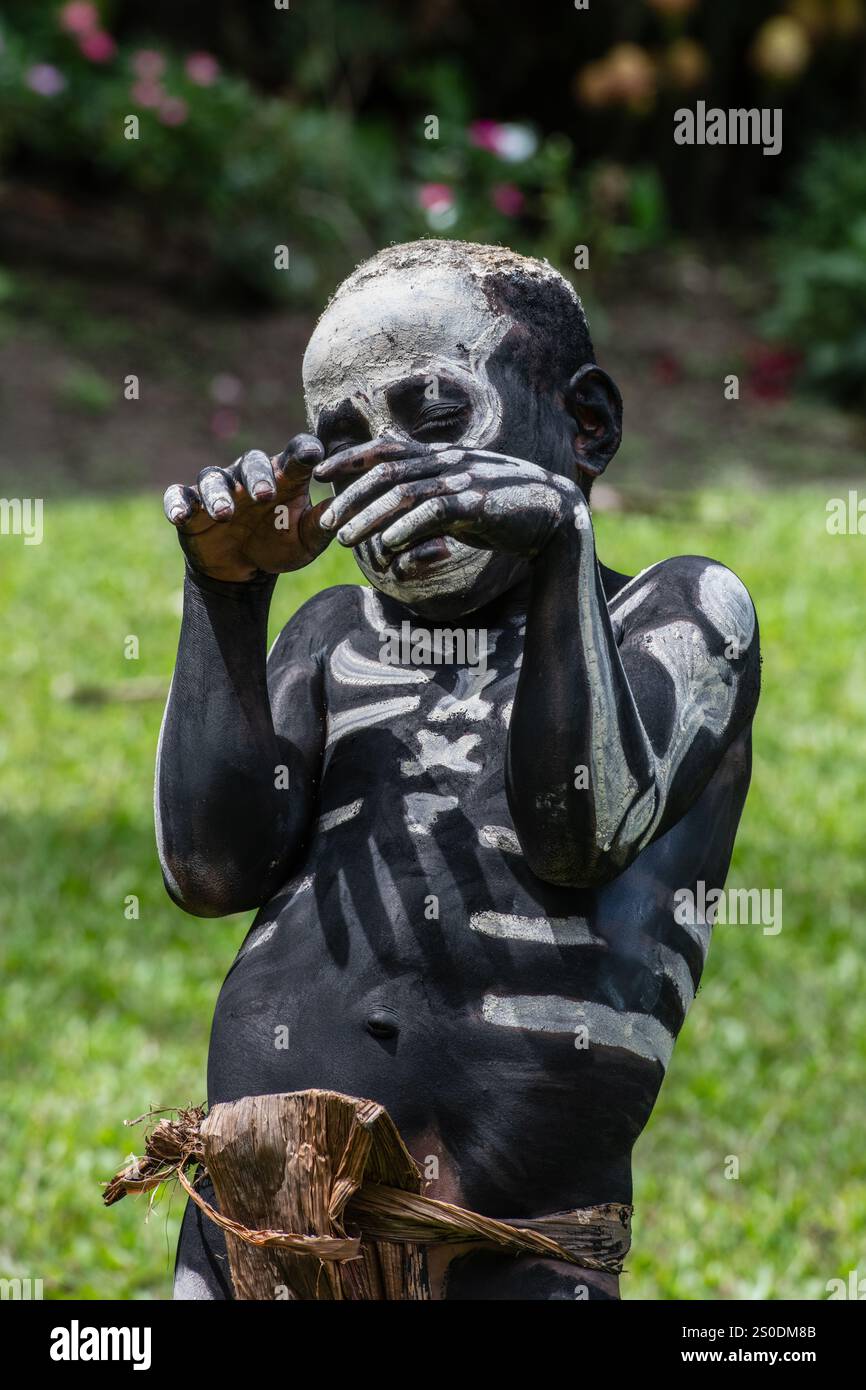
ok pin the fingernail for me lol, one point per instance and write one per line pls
(221, 505)
(176, 513)
(263, 490)
(327, 519)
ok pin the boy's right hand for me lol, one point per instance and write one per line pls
(254, 517)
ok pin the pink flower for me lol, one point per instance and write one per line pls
(513, 143)
(79, 17)
(507, 199)
(485, 135)
(435, 197)
(99, 47)
(148, 64)
(45, 80)
(173, 111)
(202, 69)
(148, 94)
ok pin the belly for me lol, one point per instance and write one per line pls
(516, 1040)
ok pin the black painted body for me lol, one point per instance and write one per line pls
(381, 999)
(439, 964)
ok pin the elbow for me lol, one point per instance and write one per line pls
(570, 870)
(206, 893)
(573, 861)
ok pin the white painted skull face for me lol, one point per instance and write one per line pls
(387, 350)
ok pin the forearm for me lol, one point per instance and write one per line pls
(223, 818)
(580, 774)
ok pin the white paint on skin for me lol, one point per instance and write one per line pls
(365, 716)
(382, 507)
(704, 696)
(265, 930)
(613, 785)
(505, 501)
(499, 837)
(700, 932)
(466, 701)
(404, 530)
(622, 593)
(633, 602)
(372, 608)
(263, 933)
(455, 574)
(170, 879)
(190, 1287)
(675, 969)
(725, 601)
(349, 667)
(340, 815)
(423, 809)
(639, 1034)
(550, 931)
(437, 750)
(429, 321)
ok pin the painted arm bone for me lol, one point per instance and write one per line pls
(621, 718)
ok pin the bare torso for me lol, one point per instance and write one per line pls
(518, 1032)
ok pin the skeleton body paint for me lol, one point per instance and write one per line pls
(484, 854)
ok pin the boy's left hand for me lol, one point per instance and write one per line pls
(487, 500)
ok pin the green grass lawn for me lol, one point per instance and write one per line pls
(104, 1016)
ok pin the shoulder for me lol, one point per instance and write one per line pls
(694, 618)
(688, 588)
(320, 623)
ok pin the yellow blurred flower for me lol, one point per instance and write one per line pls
(781, 48)
(686, 63)
(592, 84)
(626, 75)
(632, 74)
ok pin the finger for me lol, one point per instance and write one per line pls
(299, 457)
(314, 537)
(257, 475)
(180, 503)
(216, 488)
(360, 458)
(400, 499)
(432, 518)
(380, 479)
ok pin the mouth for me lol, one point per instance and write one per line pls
(419, 558)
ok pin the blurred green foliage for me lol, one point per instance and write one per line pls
(819, 264)
(311, 128)
(105, 1015)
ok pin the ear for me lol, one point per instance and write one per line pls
(593, 401)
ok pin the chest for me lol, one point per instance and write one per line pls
(421, 715)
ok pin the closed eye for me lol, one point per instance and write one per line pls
(440, 416)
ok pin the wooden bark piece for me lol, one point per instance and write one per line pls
(292, 1162)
